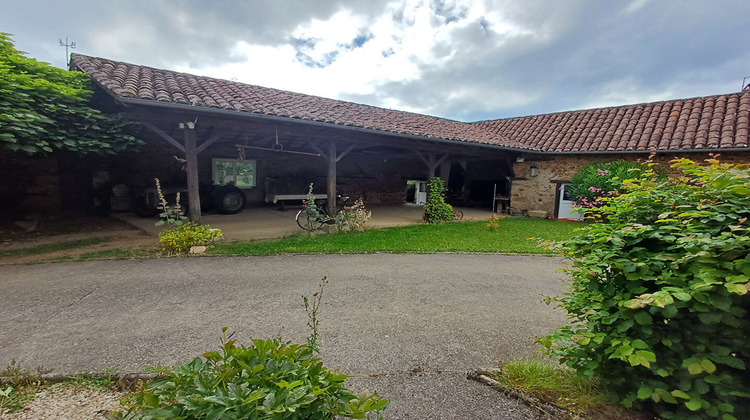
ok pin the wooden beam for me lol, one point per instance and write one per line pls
(164, 135)
(331, 178)
(208, 142)
(346, 151)
(442, 159)
(422, 157)
(191, 157)
(319, 150)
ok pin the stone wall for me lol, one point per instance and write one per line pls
(30, 186)
(538, 193)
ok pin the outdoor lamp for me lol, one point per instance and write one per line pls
(533, 170)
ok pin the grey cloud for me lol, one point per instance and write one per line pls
(574, 54)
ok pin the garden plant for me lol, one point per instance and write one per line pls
(437, 210)
(658, 295)
(600, 180)
(179, 236)
(270, 379)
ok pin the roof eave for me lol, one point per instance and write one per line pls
(620, 152)
(226, 112)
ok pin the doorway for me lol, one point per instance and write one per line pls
(566, 208)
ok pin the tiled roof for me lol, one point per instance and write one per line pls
(712, 122)
(125, 80)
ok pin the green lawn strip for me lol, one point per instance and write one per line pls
(53, 247)
(512, 236)
(561, 386)
(108, 254)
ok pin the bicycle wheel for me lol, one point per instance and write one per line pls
(306, 221)
(458, 214)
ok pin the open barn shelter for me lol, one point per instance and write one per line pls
(269, 142)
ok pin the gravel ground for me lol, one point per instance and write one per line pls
(69, 403)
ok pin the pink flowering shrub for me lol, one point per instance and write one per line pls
(595, 183)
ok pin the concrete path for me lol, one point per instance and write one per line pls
(270, 222)
(408, 326)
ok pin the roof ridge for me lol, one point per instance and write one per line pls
(234, 82)
(740, 92)
(719, 121)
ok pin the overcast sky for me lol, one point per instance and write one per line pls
(464, 60)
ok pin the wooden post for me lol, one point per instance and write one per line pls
(191, 164)
(332, 158)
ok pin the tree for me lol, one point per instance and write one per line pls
(43, 108)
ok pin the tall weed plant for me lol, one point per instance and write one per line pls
(658, 296)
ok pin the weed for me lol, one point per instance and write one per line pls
(311, 307)
(170, 215)
(494, 222)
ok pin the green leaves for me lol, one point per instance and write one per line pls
(663, 286)
(43, 107)
(286, 381)
(436, 210)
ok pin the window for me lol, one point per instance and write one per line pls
(240, 173)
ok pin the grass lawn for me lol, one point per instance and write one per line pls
(52, 247)
(512, 236)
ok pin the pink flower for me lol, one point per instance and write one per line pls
(602, 172)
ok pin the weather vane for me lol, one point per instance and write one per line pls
(66, 44)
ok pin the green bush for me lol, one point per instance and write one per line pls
(268, 380)
(178, 240)
(437, 210)
(600, 180)
(659, 295)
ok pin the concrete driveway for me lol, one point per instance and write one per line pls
(270, 222)
(408, 326)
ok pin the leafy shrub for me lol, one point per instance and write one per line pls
(597, 181)
(659, 295)
(268, 380)
(437, 210)
(179, 239)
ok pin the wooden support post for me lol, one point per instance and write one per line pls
(332, 178)
(191, 164)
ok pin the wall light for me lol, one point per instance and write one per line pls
(533, 170)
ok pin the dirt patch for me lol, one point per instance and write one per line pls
(22, 238)
(69, 403)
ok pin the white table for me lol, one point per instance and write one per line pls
(283, 198)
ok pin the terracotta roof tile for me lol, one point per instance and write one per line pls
(721, 121)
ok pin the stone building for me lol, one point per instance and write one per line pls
(282, 141)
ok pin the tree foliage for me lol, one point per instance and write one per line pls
(44, 108)
(659, 295)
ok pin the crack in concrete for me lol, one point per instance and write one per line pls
(87, 294)
(96, 287)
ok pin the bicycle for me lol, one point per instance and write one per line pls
(458, 214)
(311, 220)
